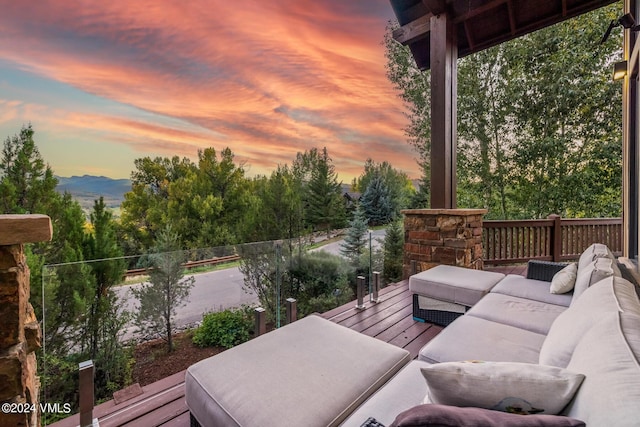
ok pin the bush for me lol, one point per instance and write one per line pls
(224, 328)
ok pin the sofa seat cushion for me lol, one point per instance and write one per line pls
(454, 284)
(452, 416)
(607, 296)
(311, 372)
(608, 357)
(536, 290)
(534, 316)
(406, 390)
(470, 338)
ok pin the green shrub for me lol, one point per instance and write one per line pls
(223, 328)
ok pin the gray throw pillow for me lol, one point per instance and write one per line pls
(452, 416)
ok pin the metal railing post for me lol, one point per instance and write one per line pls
(86, 393)
(292, 310)
(376, 286)
(261, 323)
(360, 292)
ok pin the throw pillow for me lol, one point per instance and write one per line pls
(451, 416)
(564, 280)
(599, 269)
(521, 388)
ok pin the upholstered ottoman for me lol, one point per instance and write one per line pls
(445, 292)
(309, 373)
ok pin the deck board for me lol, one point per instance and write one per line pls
(390, 320)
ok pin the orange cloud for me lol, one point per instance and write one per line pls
(267, 79)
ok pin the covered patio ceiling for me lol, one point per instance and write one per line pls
(480, 24)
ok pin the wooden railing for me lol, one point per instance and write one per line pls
(551, 239)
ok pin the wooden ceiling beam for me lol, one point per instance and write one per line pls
(512, 18)
(470, 39)
(414, 30)
(436, 7)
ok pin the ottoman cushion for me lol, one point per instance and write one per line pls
(309, 373)
(454, 284)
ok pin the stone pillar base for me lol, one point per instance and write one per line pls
(442, 236)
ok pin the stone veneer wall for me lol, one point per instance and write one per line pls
(442, 236)
(20, 332)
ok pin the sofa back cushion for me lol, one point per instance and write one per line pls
(593, 252)
(592, 273)
(610, 295)
(608, 357)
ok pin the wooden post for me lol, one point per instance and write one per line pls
(360, 292)
(86, 393)
(292, 310)
(376, 286)
(261, 324)
(556, 237)
(414, 267)
(444, 88)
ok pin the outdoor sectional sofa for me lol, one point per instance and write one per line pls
(316, 373)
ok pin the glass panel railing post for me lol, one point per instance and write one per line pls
(278, 254)
(360, 284)
(292, 310)
(260, 319)
(376, 286)
(86, 393)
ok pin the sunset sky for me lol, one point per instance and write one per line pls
(105, 83)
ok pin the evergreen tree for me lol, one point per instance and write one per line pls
(376, 202)
(27, 184)
(325, 208)
(355, 242)
(393, 252)
(167, 289)
(107, 268)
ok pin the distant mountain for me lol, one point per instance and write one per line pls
(85, 189)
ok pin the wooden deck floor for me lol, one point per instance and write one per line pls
(390, 320)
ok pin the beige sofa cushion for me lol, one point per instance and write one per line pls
(309, 373)
(502, 386)
(599, 269)
(609, 295)
(564, 280)
(593, 252)
(608, 357)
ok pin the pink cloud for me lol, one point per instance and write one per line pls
(230, 67)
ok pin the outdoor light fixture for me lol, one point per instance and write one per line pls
(619, 70)
(626, 21)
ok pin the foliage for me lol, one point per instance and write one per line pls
(167, 289)
(26, 183)
(226, 329)
(399, 188)
(538, 121)
(376, 202)
(393, 252)
(107, 268)
(355, 240)
(318, 281)
(325, 208)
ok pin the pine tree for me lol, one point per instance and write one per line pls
(393, 252)
(167, 289)
(376, 202)
(355, 242)
(325, 208)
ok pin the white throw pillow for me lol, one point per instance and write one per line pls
(523, 388)
(564, 280)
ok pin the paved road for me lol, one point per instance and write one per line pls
(211, 292)
(334, 248)
(216, 291)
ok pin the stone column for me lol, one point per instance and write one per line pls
(20, 332)
(442, 236)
